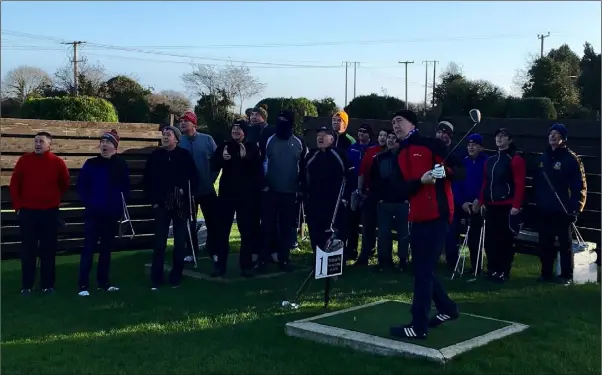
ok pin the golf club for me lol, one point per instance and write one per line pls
(480, 253)
(580, 240)
(190, 206)
(475, 116)
(126, 219)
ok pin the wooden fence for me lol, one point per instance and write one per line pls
(530, 137)
(75, 142)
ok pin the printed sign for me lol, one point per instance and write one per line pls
(328, 264)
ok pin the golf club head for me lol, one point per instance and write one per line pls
(290, 305)
(475, 115)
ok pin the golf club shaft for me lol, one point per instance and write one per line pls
(459, 142)
(574, 227)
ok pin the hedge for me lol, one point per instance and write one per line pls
(79, 108)
(540, 108)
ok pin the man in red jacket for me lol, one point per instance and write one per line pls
(37, 184)
(431, 211)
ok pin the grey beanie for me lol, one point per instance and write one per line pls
(177, 133)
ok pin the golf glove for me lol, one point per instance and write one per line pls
(438, 171)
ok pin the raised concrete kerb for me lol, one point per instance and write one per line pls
(307, 329)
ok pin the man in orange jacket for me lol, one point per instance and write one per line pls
(37, 184)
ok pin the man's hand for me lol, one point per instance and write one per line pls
(514, 211)
(466, 207)
(243, 151)
(225, 154)
(265, 189)
(475, 206)
(428, 178)
(155, 206)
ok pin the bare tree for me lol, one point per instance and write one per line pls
(241, 84)
(95, 76)
(235, 81)
(23, 81)
(178, 102)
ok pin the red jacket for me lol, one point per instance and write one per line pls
(38, 181)
(417, 155)
(366, 163)
(504, 179)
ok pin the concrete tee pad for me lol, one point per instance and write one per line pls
(366, 328)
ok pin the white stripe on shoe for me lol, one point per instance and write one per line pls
(409, 332)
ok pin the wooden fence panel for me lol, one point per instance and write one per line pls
(76, 142)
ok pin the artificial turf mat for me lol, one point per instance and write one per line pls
(377, 319)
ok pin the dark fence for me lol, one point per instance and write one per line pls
(530, 137)
(75, 142)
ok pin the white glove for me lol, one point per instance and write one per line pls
(438, 171)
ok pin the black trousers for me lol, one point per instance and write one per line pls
(369, 223)
(248, 226)
(498, 239)
(180, 234)
(99, 232)
(277, 223)
(427, 239)
(211, 213)
(38, 238)
(554, 224)
(319, 218)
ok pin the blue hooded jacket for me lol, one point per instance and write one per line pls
(100, 184)
(356, 152)
(469, 189)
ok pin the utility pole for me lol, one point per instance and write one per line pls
(75, 61)
(434, 80)
(406, 78)
(426, 83)
(347, 65)
(542, 37)
(355, 65)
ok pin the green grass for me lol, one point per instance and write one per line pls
(376, 320)
(226, 328)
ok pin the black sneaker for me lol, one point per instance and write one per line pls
(48, 290)
(501, 278)
(491, 275)
(565, 280)
(545, 279)
(108, 288)
(407, 332)
(247, 273)
(441, 318)
(218, 272)
(25, 292)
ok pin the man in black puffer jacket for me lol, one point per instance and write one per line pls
(322, 173)
(239, 187)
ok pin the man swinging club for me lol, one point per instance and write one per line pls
(431, 211)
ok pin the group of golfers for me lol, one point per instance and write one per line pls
(425, 189)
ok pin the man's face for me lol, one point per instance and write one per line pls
(324, 140)
(502, 140)
(168, 140)
(444, 137)
(363, 136)
(401, 127)
(555, 139)
(186, 127)
(107, 148)
(256, 118)
(237, 133)
(474, 149)
(382, 138)
(41, 144)
(392, 142)
(337, 123)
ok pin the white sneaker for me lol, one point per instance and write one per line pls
(189, 259)
(112, 289)
(84, 293)
(154, 289)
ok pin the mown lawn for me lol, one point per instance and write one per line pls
(214, 328)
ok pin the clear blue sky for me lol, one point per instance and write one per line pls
(489, 40)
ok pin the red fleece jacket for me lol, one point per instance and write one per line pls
(38, 181)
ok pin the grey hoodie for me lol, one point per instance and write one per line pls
(201, 147)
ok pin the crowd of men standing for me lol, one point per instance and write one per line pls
(423, 188)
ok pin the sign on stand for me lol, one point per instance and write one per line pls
(328, 264)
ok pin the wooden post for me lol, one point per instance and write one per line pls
(171, 119)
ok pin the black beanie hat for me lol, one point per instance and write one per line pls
(367, 129)
(242, 124)
(408, 115)
(288, 115)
